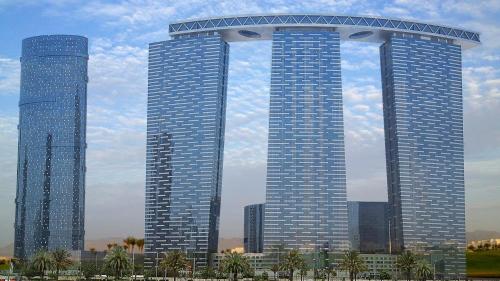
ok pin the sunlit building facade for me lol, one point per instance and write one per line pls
(185, 139)
(423, 117)
(306, 204)
(51, 147)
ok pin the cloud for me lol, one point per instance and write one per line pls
(10, 72)
(481, 87)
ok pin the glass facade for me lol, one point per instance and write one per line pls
(423, 118)
(306, 206)
(253, 228)
(187, 83)
(51, 148)
(369, 226)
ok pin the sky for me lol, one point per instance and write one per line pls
(119, 33)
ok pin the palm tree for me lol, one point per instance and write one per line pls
(117, 260)
(407, 262)
(352, 263)
(384, 275)
(42, 261)
(109, 246)
(275, 268)
(174, 262)
(131, 242)
(292, 261)
(94, 252)
(62, 260)
(423, 270)
(208, 273)
(303, 271)
(330, 271)
(235, 263)
(140, 244)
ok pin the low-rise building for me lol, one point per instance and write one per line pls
(257, 261)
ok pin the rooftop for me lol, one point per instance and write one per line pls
(355, 28)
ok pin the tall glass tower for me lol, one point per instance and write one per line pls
(185, 138)
(51, 148)
(423, 117)
(306, 205)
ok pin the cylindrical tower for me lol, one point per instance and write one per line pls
(51, 147)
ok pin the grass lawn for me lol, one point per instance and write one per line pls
(483, 263)
(4, 266)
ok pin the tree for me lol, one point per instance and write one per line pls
(384, 275)
(292, 261)
(407, 262)
(423, 270)
(140, 244)
(109, 246)
(131, 242)
(235, 263)
(220, 274)
(352, 263)
(117, 261)
(62, 260)
(303, 271)
(207, 273)
(275, 269)
(42, 261)
(330, 271)
(88, 270)
(94, 252)
(174, 262)
(264, 276)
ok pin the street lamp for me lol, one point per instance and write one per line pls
(434, 266)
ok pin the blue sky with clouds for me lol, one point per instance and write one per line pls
(119, 33)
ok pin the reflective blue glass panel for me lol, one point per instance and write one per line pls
(51, 147)
(306, 205)
(187, 82)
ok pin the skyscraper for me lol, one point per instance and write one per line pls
(185, 138)
(253, 228)
(369, 226)
(51, 148)
(423, 117)
(306, 205)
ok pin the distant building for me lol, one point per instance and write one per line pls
(253, 229)
(51, 147)
(368, 226)
(377, 263)
(491, 243)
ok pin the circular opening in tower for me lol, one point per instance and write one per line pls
(360, 35)
(249, 34)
